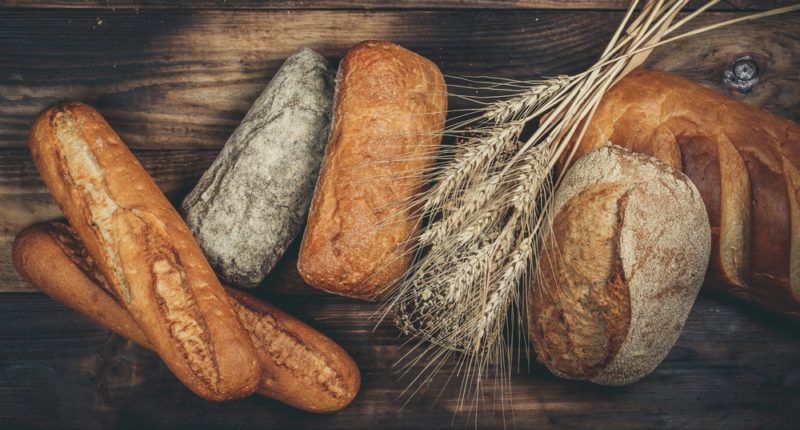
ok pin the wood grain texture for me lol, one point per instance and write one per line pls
(172, 75)
(180, 79)
(728, 370)
(372, 4)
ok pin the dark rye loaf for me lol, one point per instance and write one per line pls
(252, 201)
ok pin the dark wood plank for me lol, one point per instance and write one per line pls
(372, 4)
(728, 370)
(179, 79)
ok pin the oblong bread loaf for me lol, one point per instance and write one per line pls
(620, 265)
(251, 202)
(389, 112)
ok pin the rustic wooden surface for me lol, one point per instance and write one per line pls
(175, 77)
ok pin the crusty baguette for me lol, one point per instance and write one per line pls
(144, 250)
(303, 368)
(389, 112)
(620, 266)
(743, 160)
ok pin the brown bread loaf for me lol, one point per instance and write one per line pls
(744, 161)
(145, 251)
(303, 367)
(389, 110)
(620, 265)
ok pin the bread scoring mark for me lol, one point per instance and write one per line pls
(177, 304)
(579, 325)
(286, 350)
(81, 169)
(67, 240)
(85, 177)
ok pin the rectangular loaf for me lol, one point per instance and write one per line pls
(389, 112)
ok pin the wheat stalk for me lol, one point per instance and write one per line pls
(490, 196)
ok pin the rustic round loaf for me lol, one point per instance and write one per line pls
(620, 264)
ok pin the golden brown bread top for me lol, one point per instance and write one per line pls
(145, 251)
(741, 159)
(302, 367)
(389, 113)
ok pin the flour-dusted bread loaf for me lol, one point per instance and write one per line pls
(251, 203)
(145, 251)
(620, 265)
(389, 112)
(745, 162)
(302, 367)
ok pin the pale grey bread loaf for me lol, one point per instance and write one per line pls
(252, 201)
(620, 264)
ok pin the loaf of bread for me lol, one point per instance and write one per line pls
(620, 264)
(250, 204)
(145, 251)
(744, 161)
(389, 112)
(302, 367)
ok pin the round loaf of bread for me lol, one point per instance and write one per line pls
(620, 264)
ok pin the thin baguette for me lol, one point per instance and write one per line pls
(145, 251)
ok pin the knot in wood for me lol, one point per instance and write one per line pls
(742, 75)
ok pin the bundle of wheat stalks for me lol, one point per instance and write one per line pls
(489, 199)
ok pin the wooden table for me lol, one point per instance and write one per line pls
(174, 77)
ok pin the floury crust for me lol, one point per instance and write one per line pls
(251, 202)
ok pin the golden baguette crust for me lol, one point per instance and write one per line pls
(145, 251)
(743, 160)
(303, 368)
(388, 116)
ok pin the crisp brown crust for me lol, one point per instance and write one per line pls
(740, 158)
(302, 367)
(581, 309)
(306, 368)
(145, 251)
(619, 267)
(388, 116)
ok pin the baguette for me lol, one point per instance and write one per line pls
(389, 111)
(143, 248)
(302, 367)
(745, 163)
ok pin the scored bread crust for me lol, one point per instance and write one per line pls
(302, 367)
(145, 251)
(620, 266)
(389, 111)
(743, 160)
